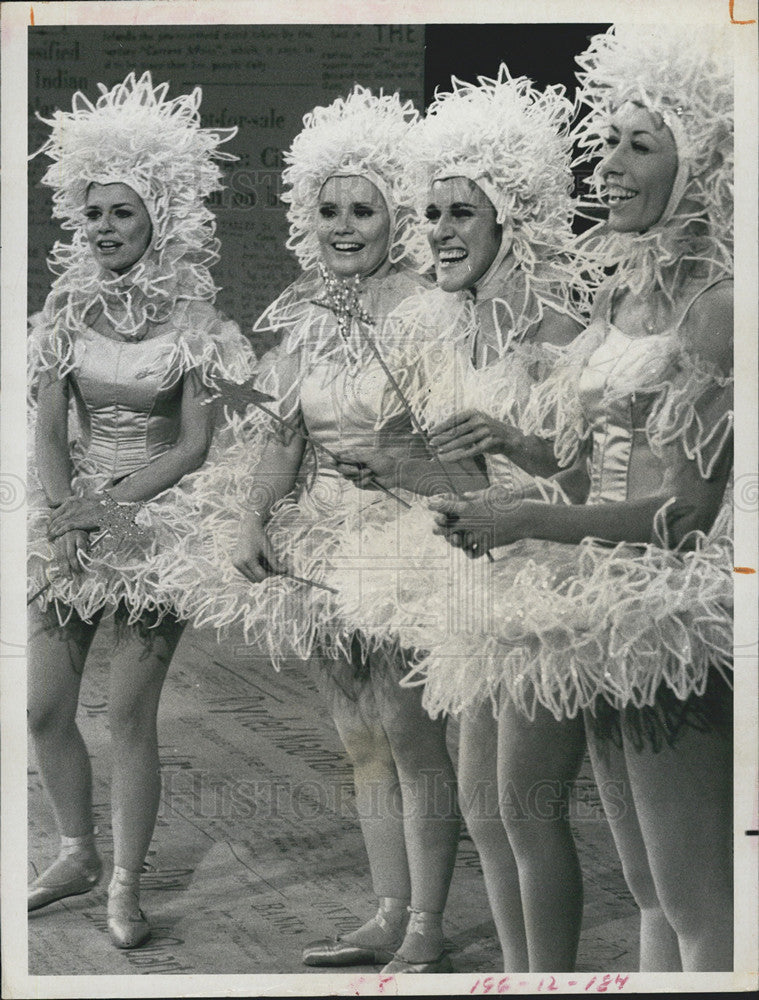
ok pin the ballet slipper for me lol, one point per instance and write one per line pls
(399, 965)
(424, 934)
(372, 944)
(75, 871)
(127, 925)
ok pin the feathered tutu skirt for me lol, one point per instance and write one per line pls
(119, 568)
(568, 627)
(643, 630)
(313, 533)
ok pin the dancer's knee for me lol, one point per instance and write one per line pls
(640, 883)
(478, 800)
(530, 811)
(417, 744)
(131, 721)
(367, 748)
(695, 911)
(487, 834)
(46, 717)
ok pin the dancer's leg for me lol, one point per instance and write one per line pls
(683, 797)
(57, 656)
(138, 669)
(430, 810)
(378, 799)
(56, 661)
(659, 950)
(478, 797)
(538, 763)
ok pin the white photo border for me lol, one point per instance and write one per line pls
(16, 18)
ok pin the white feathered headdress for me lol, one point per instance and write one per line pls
(683, 76)
(361, 134)
(134, 135)
(513, 140)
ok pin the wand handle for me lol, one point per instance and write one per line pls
(291, 576)
(310, 583)
(407, 407)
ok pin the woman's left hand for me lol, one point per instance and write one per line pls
(470, 433)
(84, 513)
(358, 473)
(477, 522)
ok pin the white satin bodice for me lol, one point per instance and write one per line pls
(622, 464)
(348, 409)
(126, 416)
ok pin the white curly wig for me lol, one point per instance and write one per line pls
(362, 134)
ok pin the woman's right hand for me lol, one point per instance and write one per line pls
(472, 433)
(66, 548)
(253, 555)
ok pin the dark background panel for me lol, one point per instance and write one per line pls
(544, 52)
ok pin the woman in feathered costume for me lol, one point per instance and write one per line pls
(492, 162)
(624, 610)
(297, 518)
(130, 341)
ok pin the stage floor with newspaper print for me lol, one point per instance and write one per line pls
(257, 850)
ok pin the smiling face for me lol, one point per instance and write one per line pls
(353, 226)
(638, 169)
(117, 225)
(463, 232)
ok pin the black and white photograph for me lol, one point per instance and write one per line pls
(379, 397)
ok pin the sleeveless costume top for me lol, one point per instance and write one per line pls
(125, 403)
(326, 385)
(578, 626)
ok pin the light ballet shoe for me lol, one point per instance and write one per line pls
(372, 944)
(399, 965)
(76, 870)
(424, 935)
(338, 951)
(127, 924)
